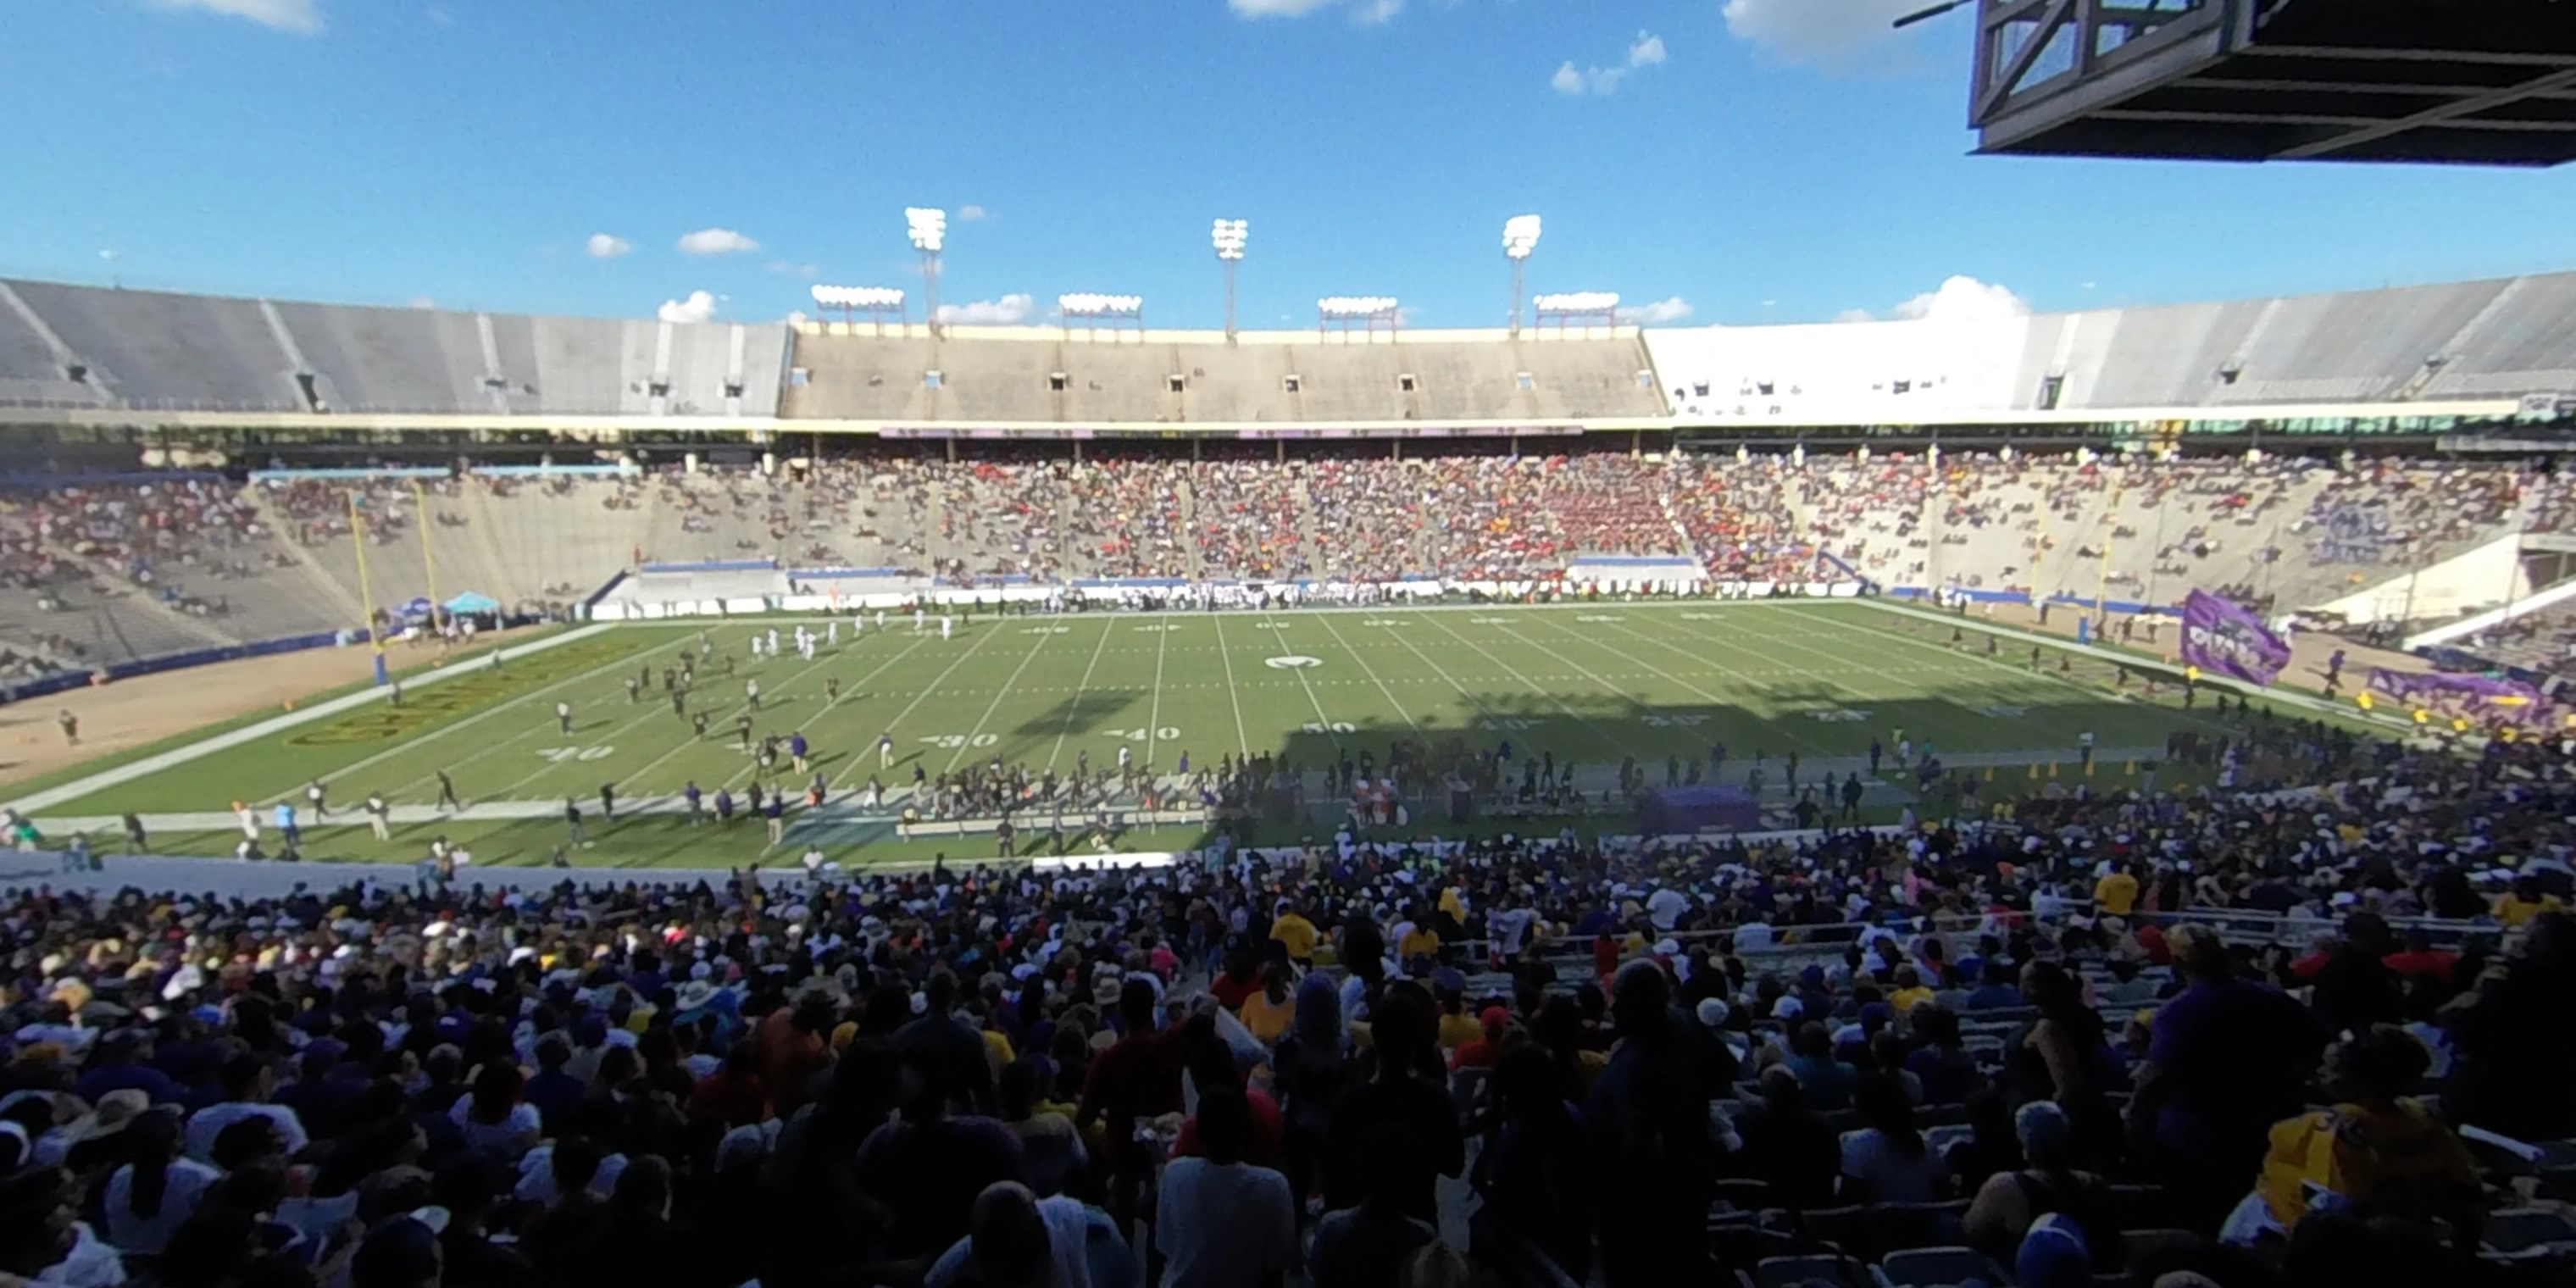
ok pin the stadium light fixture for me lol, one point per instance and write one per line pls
(1368, 310)
(1520, 237)
(1585, 306)
(1096, 306)
(1228, 237)
(876, 301)
(928, 229)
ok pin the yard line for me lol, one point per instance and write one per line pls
(998, 695)
(1154, 717)
(819, 713)
(1242, 739)
(1615, 746)
(1344, 645)
(413, 744)
(1785, 731)
(1320, 718)
(1073, 708)
(1463, 690)
(982, 638)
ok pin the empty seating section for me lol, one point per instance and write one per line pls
(155, 350)
(862, 377)
(1045, 378)
(389, 360)
(31, 374)
(2484, 339)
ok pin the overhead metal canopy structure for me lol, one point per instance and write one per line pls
(2469, 82)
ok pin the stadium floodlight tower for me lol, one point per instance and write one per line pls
(875, 301)
(1365, 310)
(1228, 237)
(1520, 237)
(1585, 307)
(928, 229)
(1094, 308)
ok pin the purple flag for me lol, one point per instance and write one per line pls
(2219, 636)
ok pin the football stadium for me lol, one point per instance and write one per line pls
(873, 772)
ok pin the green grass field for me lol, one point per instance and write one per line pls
(1591, 683)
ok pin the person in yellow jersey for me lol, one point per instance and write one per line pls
(1293, 930)
(2523, 902)
(1267, 1011)
(2116, 894)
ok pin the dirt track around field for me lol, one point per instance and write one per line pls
(136, 712)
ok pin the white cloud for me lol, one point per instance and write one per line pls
(715, 241)
(1815, 31)
(607, 246)
(809, 272)
(1372, 12)
(302, 16)
(1963, 299)
(1010, 310)
(107, 254)
(796, 317)
(1855, 315)
(699, 307)
(1647, 50)
(421, 302)
(970, 212)
(1671, 308)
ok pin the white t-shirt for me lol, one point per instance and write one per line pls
(1224, 1225)
(505, 1136)
(131, 1231)
(1752, 935)
(209, 1122)
(1667, 907)
(1508, 928)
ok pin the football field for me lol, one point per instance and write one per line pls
(1669, 684)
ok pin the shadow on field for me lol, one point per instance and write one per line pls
(1090, 704)
(2008, 708)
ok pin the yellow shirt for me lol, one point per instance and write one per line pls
(1452, 904)
(2115, 894)
(1418, 942)
(1265, 1019)
(1906, 999)
(997, 1048)
(1457, 1029)
(1296, 932)
(2513, 910)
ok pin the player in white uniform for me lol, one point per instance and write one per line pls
(916, 621)
(751, 693)
(880, 619)
(945, 622)
(773, 641)
(755, 646)
(832, 632)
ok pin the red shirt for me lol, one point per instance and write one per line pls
(1230, 991)
(1482, 1053)
(1269, 1130)
(2431, 961)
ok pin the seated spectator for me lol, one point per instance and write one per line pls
(1948, 1074)
(1888, 1161)
(2009, 1202)
(2372, 1153)
(1788, 1144)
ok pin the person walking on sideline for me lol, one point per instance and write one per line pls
(71, 727)
(608, 802)
(692, 796)
(751, 693)
(313, 796)
(447, 792)
(885, 751)
(134, 837)
(563, 716)
(796, 748)
(376, 821)
(775, 810)
(572, 821)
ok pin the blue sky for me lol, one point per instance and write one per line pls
(1735, 160)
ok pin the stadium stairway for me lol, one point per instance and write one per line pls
(1306, 533)
(1190, 524)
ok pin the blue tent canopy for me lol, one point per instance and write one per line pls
(470, 602)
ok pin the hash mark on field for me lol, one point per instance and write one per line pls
(1074, 708)
(917, 699)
